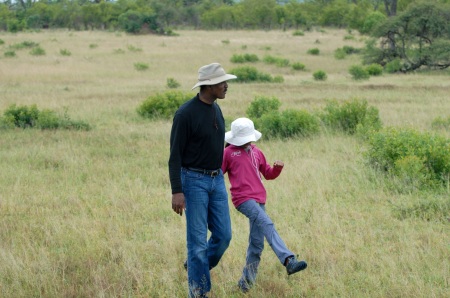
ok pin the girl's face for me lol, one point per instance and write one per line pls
(246, 146)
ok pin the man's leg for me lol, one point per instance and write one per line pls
(219, 222)
(196, 195)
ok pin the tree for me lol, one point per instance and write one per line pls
(391, 7)
(419, 36)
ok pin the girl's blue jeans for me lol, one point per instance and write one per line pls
(260, 226)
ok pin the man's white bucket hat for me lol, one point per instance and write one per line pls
(242, 132)
(212, 74)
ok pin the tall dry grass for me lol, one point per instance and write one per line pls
(88, 214)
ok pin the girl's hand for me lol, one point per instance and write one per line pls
(278, 164)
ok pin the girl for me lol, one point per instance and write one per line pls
(245, 163)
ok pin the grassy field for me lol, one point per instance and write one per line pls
(88, 213)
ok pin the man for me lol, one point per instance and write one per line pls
(196, 178)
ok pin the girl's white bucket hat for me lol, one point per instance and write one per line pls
(212, 74)
(242, 132)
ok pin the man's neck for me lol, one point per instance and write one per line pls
(206, 98)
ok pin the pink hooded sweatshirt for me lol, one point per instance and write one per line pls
(244, 168)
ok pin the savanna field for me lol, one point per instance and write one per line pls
(87, 213)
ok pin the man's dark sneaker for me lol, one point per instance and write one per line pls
(244, 285)
(185, 265)
(294, 266)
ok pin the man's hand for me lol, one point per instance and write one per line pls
(178, 203)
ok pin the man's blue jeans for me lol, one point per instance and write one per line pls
(260, 226)
(206, 209)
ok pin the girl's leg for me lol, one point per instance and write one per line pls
(262, 222)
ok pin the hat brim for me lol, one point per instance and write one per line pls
(214, 81)
(239, 141)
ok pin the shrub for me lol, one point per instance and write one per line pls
(65, 52)
(349, 37)
(262, 105)
(371, 21)
(244, 58)
(2, 41)
(349, 115)
(140, 66)
(298, 33)
(320, 75)
(358, 72)
(163, 105)
(441, 123)
(298, 66)
(30, 117)
(289, 123)
(22, 116)
(48, 119)
(393, 66)
(247, 74)
(350, 50)
(314, 51)
(374, 69)
(10, 54)
(340, 54)
(172, 83)
(24, 45)
(281, 62)
(401, 151)
(37, 51)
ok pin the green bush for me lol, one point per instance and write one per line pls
(37, 51)
(289, 123)
(401, 151)
(140, 66)
(24, 45)
(371, 21)
(244, 58)
(163, 105)
(374, 69)
(48, 119)
(172, 83)
(320, 75)
(298, 66)
(340, 54)
(314, 51)
(393, 66)
(262, 105)
(278, 61)
(22, 116)
(441, 123)
(298, 33)
(31, 117)
(65, 52)
(10, 54)
(351, 116)
(246, 74)
(358, 72)
(2, 41)
(350, 50)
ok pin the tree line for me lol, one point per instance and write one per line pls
(409, 33)
(163, 16)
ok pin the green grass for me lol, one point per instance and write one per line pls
(88, 213)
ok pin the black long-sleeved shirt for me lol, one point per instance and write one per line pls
(196, 139)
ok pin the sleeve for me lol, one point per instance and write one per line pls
(225, 161)
(267, 170)
(178, 139)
